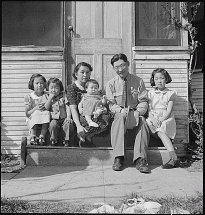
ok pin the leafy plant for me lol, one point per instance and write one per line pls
(195, 118)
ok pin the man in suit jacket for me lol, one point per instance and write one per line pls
(128, 99)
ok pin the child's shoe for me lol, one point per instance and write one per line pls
(53, 142)
(66, 143)
(33, 140)
(173, 162)
(41, 141)
(93, 124)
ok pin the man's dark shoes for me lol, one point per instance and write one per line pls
(142, 165)
(118, 163)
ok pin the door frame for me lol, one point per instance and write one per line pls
(68, 17)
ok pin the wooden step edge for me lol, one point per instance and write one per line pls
(85, 148)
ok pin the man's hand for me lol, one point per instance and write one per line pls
(136, 115)
(125, 111)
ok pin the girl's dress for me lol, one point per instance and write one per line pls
(38, 116)
(158, 102)
(58, 116)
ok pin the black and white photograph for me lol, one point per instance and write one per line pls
(102, 107)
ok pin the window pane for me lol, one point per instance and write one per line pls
(36, 23)
(165, 26)
(154, 26)
(147, 20)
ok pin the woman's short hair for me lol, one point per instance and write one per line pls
(117, 57)
(78, 67)
(56, 81)
(93, 81)
(164, 72)
(36, 75)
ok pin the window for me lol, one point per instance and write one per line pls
(37, 23)
(153, 25)
(198, 23)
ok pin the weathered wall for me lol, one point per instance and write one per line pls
(17, 68)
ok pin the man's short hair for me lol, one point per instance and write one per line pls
(117, 57)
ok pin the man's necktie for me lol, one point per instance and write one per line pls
(124, 93)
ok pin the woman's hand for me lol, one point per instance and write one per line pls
(69, 120)
(136, 115)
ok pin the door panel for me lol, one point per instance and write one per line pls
(112, 20)
(100, 31)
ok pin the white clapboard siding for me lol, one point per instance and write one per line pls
(197, 96)
(16, 70)
(176, 65)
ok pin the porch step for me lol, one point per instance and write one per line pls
(76, 156)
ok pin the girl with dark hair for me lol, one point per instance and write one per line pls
(35, 110)
(60, 112)
(161, 119)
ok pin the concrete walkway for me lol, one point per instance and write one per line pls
(97, 184)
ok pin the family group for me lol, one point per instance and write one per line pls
(82, 108)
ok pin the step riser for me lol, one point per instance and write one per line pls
(86, 157)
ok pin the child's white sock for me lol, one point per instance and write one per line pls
(82, 139)
(91, 123)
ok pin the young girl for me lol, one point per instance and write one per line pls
(94, 116)
(60, 111)
(160, 119)
(35, 110)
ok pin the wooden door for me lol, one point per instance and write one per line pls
(98, 30)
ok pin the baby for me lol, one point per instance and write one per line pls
(92, 104)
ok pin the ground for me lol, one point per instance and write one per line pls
(10, 163)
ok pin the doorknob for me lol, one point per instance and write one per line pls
(71, 31)
(70, 28)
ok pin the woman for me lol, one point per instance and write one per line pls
(75, 90)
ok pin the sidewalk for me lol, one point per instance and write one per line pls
(97, 184)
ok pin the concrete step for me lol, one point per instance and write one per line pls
(84, 156)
